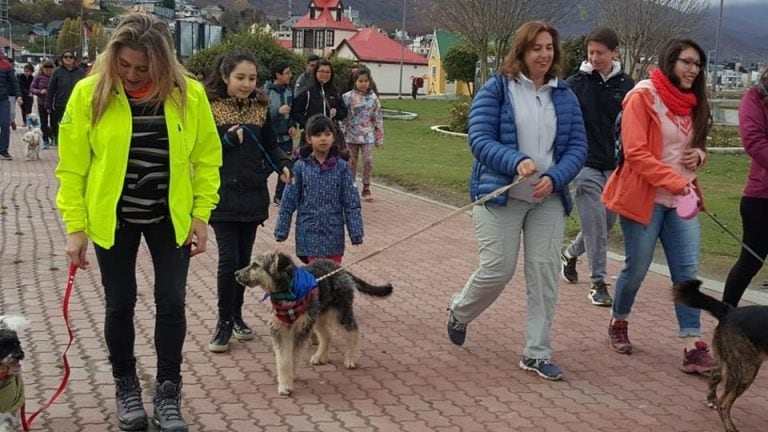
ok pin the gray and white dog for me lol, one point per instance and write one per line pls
(296, 315)
(11, 384)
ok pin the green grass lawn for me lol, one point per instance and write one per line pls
(435, 165)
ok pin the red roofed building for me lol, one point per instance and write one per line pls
(382, 56)
(322, 28)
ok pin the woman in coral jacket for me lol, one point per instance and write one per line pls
(664, 131)
(753, 128)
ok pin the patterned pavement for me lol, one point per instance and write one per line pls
(411, 378)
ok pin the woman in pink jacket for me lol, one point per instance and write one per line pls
(753, 127)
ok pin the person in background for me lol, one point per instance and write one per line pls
(250, 154)
(9, 88)
(309, 71)
(753, 128)
(363, 126)
(600, 85)
(324, 197)
(139, 114)
(60, 87)
(321, 97)
(280, 95)
(39, 88)
(664, 128)
(523, 123)
(25, 83)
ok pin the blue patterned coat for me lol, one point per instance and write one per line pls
(324, 199)
(493, 141)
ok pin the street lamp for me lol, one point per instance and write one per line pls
(402, 54)
(717, 42)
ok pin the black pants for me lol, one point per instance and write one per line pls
(45, 122)
(754, 214)
(118, 275)
(235, 242)
(26, 107)
(56, 114)
(287, 147)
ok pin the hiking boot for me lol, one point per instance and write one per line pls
(5, 156)
(457, 331)
(367, 195)
(545, 368)
(240, 329)
(220, 341)
(698, 360)
(168, 408)
(598, 294)
(130, 409)
(619, 337)
(568, 271)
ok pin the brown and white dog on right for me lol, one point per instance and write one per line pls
(11, 384)
(740, 344)
(295, 317)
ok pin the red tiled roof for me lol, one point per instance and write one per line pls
(285, 43)
(5, 42)
(325, 20)
(370, 45)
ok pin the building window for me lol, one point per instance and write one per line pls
(307, 39)
(312, 13)
(298, 39)
(434, 73)
(319, 40)
(329, 38)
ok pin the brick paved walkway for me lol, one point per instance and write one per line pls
(410, 377)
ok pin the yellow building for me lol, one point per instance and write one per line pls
(437, 84)
(92, 4)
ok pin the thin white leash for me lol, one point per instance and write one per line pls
(456, 212)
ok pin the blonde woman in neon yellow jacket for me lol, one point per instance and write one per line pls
(140, 157)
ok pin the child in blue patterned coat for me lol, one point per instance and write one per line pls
(324, 195)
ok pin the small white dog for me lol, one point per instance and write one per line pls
(32, 139)
(11, 384)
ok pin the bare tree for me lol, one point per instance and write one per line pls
(645, 25)
(488, 26)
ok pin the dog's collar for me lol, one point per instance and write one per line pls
(289, 311)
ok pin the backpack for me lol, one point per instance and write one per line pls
(617, 140)
(419, 82)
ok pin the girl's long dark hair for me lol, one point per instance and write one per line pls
(223, 66)
(702, 116)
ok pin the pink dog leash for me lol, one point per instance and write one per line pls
(26, 422)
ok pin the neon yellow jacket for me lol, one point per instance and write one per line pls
(93, 161)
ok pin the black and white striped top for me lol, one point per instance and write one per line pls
(145, 190)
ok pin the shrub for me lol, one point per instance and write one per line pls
(460, 116)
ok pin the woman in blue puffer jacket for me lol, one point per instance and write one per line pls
(524, 122)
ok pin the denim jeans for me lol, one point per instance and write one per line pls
(5, 124)
(681, 240)
(235, 243)
(118, 276)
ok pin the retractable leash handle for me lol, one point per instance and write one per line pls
(26, 422)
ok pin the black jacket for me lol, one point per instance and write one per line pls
(243, 194)
(9, 85)
(600, 103)
(60, 86)
(25, 82)
(318, 99)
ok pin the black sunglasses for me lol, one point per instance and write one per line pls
(68, 56)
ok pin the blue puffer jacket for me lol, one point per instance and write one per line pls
(493, 141)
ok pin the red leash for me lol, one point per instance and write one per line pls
(26, 422)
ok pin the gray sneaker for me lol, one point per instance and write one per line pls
(568, 271)
(168, 408)
(5, 156)
(130, 409)
(598, 294)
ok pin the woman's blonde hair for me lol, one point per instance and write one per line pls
(149, 35)
(525, 39)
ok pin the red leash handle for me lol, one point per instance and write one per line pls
(26, 422)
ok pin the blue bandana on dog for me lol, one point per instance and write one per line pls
(289, 306)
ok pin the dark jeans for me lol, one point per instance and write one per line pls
(287, 147)
(45, 122)
(754, 213)
(5, 124)
(235, 242)
(26, 107)
(56, 114)
(118, 276)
